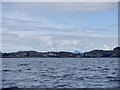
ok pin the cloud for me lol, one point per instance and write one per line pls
(38, 26)
(22, 18)
(60, 1)
(69, 42)
(12, 42)
(44, 26)
(63, 7)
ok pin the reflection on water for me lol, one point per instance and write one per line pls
(60, 72)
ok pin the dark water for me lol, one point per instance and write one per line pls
(60, 72)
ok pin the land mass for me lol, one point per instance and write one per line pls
(63, 54)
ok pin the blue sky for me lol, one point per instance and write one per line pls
(59, 26)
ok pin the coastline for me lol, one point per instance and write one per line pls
(115, 53)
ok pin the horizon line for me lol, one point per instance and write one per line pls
(60, 50)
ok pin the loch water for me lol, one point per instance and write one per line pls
(60, 72)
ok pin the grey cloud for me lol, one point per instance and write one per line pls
(22, 31)
(63, 7)
(44, 27)
(56, 43)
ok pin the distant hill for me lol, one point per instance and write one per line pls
(62, 54)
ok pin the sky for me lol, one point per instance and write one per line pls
(63, 26)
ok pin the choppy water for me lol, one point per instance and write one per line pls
(60, 72)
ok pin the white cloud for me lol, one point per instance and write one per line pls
(106, 47)
(24, 31)
(59, 1)
(63, 7)
(20, 21)
(14, 14)
(71, 43)
(12, 42)
(45, 40)
(31, 26)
